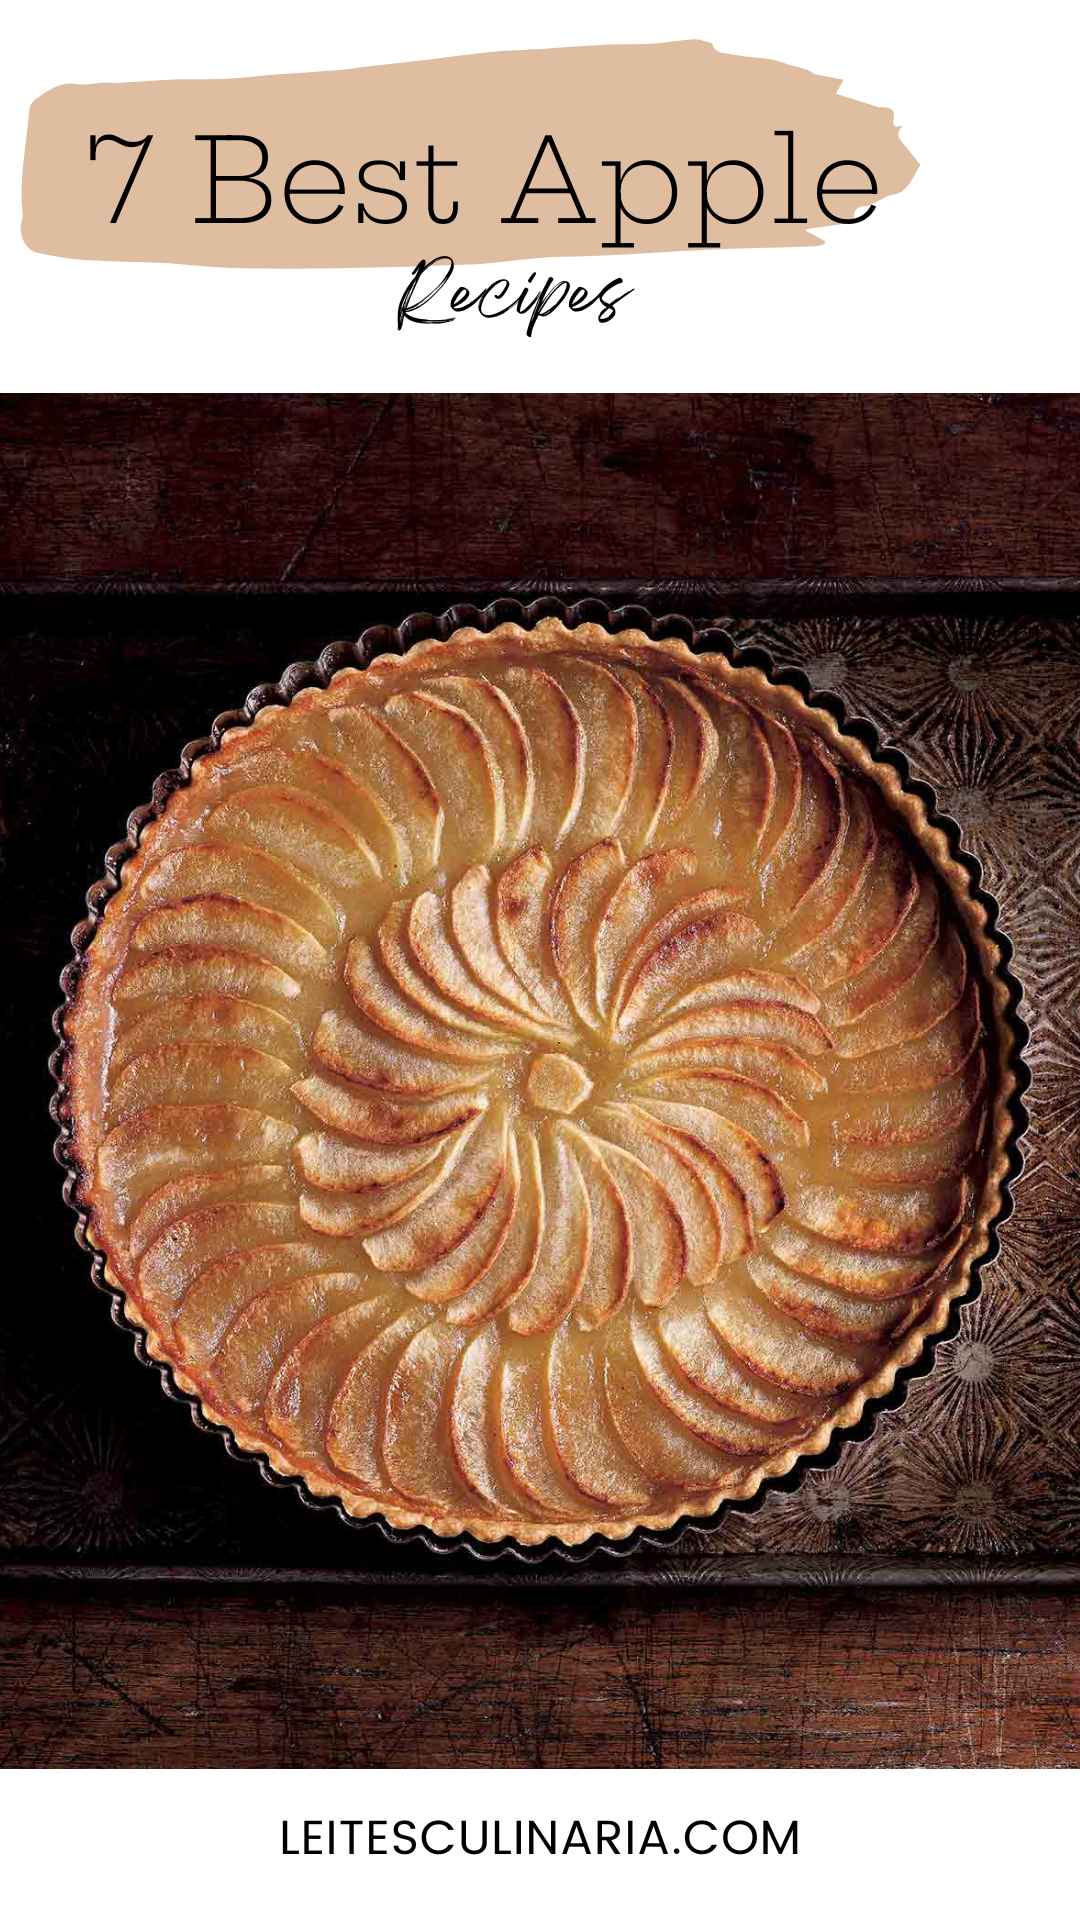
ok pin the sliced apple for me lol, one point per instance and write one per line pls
(461, 764)
(558, 745)
(521, 926)
(473, 1417)
(384, 1122)
(208, 1017)
(851, 999)
(243, 873)
(345, 1216)
(394, 950)
(786, 790)
(825, 1310)
(768, 1062)
(402, 1017)
(498, 720)
(744, 787)
(185, 1074)
(608, 1276)
(301, 1393)
(385, 838)
(294, 827)
(372, 1059)
(876, 1276)
(941, 1158)
(895, 1220)
(698, 938)
(808, 853)
(185, 1246)
(655, 754)
(691, 1192)
(696, 748)
(664, 1449)
(415, 1426)
(904, 1119)
(695, 1411)
(755, 1022)
(875, 912)
(933, 991)
(565, 1247)
(466, 1264)
(398, 779)
(747, 984)
(179, 972)
(590, 1452)
(434, 954)
(695, 1349)
(221, 1289)
(631, 909)
(521, 1394)
(264, 1331)
(342, 788)
(219, 923)
(728, 1199)
(657, 1235)
(556, 1084)
(779, 1348)
(165, 1142)
(435, 1226)
(354, 1422)
(824, 905)
(196, 1191)
(758, 1110)
(342, 1166)
(921, 1063)
(515, 1262)
(474, 931)
(576, 907)
(749, 1166)
(322, 777)
(609, 723)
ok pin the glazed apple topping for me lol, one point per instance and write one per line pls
(539, 1086)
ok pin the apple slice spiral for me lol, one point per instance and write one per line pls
(531, 1086)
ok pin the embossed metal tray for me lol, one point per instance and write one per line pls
(975, 1473)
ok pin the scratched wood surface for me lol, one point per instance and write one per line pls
(293, 488)
(196, 491)
(805, 1680)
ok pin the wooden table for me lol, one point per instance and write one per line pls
(816, 1679)
(206, 490)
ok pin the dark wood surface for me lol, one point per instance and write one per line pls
(812, 1680)
(138, 491)
(300, 488)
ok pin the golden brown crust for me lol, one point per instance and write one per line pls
(91, 1022)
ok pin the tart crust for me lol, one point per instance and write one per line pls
(556, 1084)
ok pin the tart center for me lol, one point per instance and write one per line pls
(556, 1083)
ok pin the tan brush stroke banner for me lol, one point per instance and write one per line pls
(678, 103)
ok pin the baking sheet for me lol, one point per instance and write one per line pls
(975, 1475)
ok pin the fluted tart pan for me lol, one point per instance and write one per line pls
(537, 1084)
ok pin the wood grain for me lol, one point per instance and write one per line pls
(804, 1680)
(133, 490)
(205, 488)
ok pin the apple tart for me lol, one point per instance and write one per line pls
(540, 1085)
